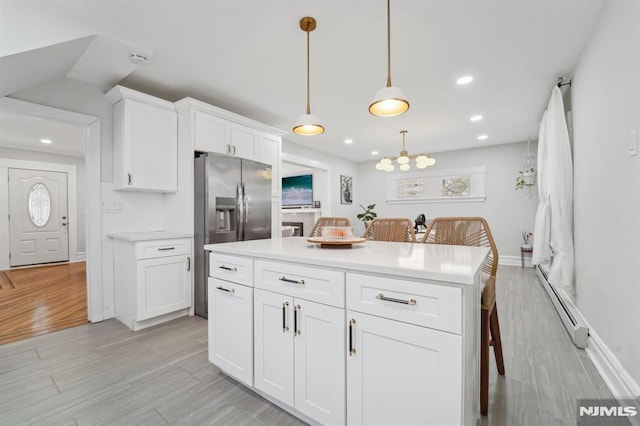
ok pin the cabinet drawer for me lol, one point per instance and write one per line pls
(314, 284)
(231, 268)
(429, 305)
(162, 248)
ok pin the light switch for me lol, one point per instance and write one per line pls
(632, 145)
(112, 206)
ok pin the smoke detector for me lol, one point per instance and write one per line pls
(138, 59)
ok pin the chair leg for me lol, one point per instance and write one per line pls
(495, 339)
(484, 362)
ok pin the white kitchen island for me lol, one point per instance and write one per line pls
(380, 333)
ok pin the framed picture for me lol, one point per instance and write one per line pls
(346, 189)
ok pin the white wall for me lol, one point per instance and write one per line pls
(506, 210)
(339, 167)
(21, 154)
(606, 109)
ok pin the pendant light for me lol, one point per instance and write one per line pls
(389, 101)
(307, 124)
(422, 161)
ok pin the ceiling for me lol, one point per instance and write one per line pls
(249, 57)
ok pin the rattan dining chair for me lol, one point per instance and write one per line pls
(390, 229)
(474, 231)
(328, 221)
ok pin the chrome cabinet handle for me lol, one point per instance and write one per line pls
(352, 350)
(296, 329)
(391, 299)
(188, 263)
(233, 290)
(129, 179)
(166, 248)
(227, 268)
(285, 322)
(234, 149)
(288, 280)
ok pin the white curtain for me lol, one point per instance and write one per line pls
(553, 233)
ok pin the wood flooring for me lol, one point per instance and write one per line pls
(42, 299)
(106, 374)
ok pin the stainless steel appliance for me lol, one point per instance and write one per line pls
(232, 203)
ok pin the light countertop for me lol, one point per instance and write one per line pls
(147, 236)
(455, 264)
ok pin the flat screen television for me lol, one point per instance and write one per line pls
(297, 191)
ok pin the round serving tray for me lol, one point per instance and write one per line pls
(336, 242)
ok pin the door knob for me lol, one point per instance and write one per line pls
(64, 217)
(64, 223)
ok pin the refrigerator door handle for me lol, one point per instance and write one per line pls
(240, 213)
(245, 210)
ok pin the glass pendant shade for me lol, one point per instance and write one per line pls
(388, 168)
(431, 161)
(404, 158)
(385, 161)
(379, 166)
(389, 102)
(422, 158)
(421, 165)
(404, 167)
(307, 125)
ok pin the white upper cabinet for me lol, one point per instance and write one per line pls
(244, 143)
(145, 142)
(212, 134)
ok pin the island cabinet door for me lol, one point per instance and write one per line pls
(319, 361)
(273, 341)
(231, 329)
(399, 373)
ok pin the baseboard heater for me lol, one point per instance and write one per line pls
(577, 329)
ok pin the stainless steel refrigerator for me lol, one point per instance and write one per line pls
(232, 203)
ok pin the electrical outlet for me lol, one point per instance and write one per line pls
(632, 145)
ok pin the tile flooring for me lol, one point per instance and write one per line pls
(105, 374)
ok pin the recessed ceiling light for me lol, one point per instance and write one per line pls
(464, 80)
(348, 141)
(45, 140)
(374, 153)
(482, 137)
(476, 118)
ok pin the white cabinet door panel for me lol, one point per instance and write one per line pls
(393, 363)
(319, 348)
(244, 142)
(164, 285)
(212, 134)
(273, 341)
(231, 329)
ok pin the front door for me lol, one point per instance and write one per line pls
(38, 217)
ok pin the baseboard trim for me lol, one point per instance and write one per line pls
(515, 261)
(620, 383)
(81, 255)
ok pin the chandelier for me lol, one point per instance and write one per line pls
(422, 161)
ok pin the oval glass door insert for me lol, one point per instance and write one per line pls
(39, 205)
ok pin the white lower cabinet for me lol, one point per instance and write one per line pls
(152, 280)
(164, 286)
(401, 374)
(231, 328)
(300, 355)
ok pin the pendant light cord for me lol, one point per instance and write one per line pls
(388, 43)
(308, 104)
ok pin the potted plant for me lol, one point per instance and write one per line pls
(368, 214)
